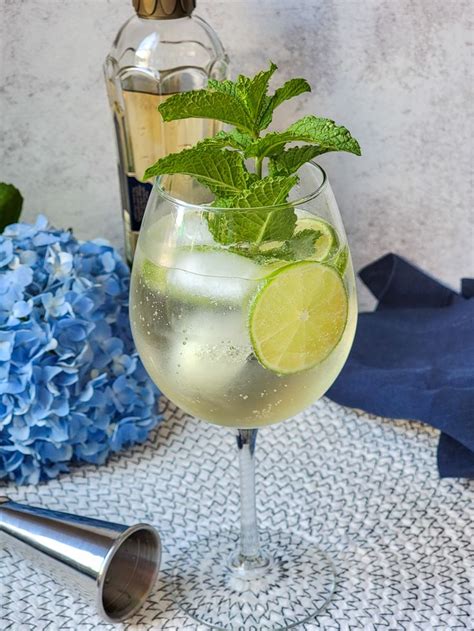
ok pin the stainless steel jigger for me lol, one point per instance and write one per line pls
(112, 565)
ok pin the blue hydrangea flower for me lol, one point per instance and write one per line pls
(72, 388)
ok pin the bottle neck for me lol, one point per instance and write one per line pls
(163, 9)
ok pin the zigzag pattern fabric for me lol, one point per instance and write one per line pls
(363, 488)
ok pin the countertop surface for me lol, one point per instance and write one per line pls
(364, 489)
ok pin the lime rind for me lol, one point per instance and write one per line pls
(277, 316)
(339, 262)
(154, 276)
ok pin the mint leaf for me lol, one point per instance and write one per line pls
(289, 161)
(11, 203)
(221, 170)
(299, 247)
(223, 202)
(235, 139)
(322, 132)
(270, 191)
(254, 91)
(290, 89)
(256, 226)
(254, 208)
(217, 105)
(251, 92)
(226, 86)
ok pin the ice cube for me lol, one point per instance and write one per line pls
(216, 275)
(210, 349)
(193, 230)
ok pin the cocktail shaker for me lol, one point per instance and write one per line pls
(111, 565)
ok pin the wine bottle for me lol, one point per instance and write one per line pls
(163, 49)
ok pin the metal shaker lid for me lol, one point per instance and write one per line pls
(164, 9)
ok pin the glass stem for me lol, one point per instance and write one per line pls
(249, 561)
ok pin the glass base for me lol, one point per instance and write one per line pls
(296, 585)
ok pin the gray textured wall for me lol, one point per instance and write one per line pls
(398, 73)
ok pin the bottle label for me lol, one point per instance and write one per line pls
(138, 194)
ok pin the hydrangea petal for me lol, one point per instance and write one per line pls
(72, 388)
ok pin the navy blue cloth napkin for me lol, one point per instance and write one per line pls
(413, 358)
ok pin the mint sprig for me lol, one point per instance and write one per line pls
(220, 162)
(290, 89)
(322, 132)
(299, 246)
(221, 170)
(212, 104)
(256, 226)
(289, 161)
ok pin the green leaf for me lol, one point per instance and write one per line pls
(289, 161)
(246, 105)
(226, 86)
(11, 203)
(270, 191)
(256, 226)
(299, 247)
(234, 138)
(221, 170)
(223, 202)
(253, 91)
(216, 105)
(322, 132)
(290, 89)
(243, 103)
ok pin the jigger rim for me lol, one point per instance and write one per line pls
(102, 575)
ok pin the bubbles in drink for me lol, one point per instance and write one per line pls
(190, 320)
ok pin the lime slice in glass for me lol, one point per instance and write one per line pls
(153, 275)
(340, 260)
(298, 317)
(328, 243)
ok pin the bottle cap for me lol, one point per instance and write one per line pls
(164, 9)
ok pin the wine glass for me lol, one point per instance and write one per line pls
(245, 340)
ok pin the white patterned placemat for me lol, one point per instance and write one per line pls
(364, 488)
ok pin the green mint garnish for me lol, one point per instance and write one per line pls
(290, 89)
(220, 162)
(298, 247)
(221, 170)
(11, 203)
(301, 246)
(235, 139)
(289, 161)
(318, 131)
(208, 103)
(256, 226)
